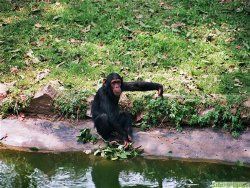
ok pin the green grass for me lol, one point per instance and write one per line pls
(192, 47)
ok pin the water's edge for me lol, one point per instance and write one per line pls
(190, 144)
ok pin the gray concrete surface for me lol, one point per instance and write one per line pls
(60, 136)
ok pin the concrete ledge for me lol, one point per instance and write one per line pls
(60, 136)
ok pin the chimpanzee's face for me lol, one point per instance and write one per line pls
(113, 84)
(116, 87)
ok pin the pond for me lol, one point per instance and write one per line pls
(30, 169)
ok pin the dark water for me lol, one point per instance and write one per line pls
(22, 169)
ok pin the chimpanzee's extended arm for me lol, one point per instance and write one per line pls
(142, 86)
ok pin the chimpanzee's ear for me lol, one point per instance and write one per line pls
(104, 82)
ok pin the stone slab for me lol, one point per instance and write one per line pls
(61, 136)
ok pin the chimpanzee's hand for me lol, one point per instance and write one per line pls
(126, 144)
(129, 138)
(160, 91)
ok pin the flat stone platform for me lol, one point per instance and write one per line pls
(61, 136)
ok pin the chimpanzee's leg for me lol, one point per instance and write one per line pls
(125, 120)
(103, 126)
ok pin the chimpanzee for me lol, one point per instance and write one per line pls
(106, 115)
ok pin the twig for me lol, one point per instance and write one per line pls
(163, 120)
(5, 136)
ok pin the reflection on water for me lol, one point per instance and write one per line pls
(132, 179)
(62, 178)
(21, 169)
(8, 175)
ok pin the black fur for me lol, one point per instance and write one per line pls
(105, 110)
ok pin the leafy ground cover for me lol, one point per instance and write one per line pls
(193, 112)
(85, 136)
(113, 150)
(118, 152)
(194, 48)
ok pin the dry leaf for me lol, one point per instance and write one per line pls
(57, 40)
(74, 41)
(225, 1)
(139, 117)
(14, 70)
(140, 16)
(86, 29)
(31, 58)
(23, 97)
(38, 25)
(41, 75)
(231, 39)
(166, 6)
(33, 43)
(144, 25)
(177, 25)
(35, 11)
(21, 116)
(42, 39)
(126, 28)
(56, 18)
(29, 53)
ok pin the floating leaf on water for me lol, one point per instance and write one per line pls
(87, 151)
(103, 154)
(108, 150)
(128, 153)
(114, 158)
(97, 152)
(123, 156)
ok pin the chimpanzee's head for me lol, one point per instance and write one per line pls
(113, 84)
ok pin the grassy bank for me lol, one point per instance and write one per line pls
(194, 48)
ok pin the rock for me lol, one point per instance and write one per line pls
(124, 102)
(245, 115)
(88, 113)
(89, 103)
(42, 102)
(90, 100)
(3, 91)
(204, 112)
